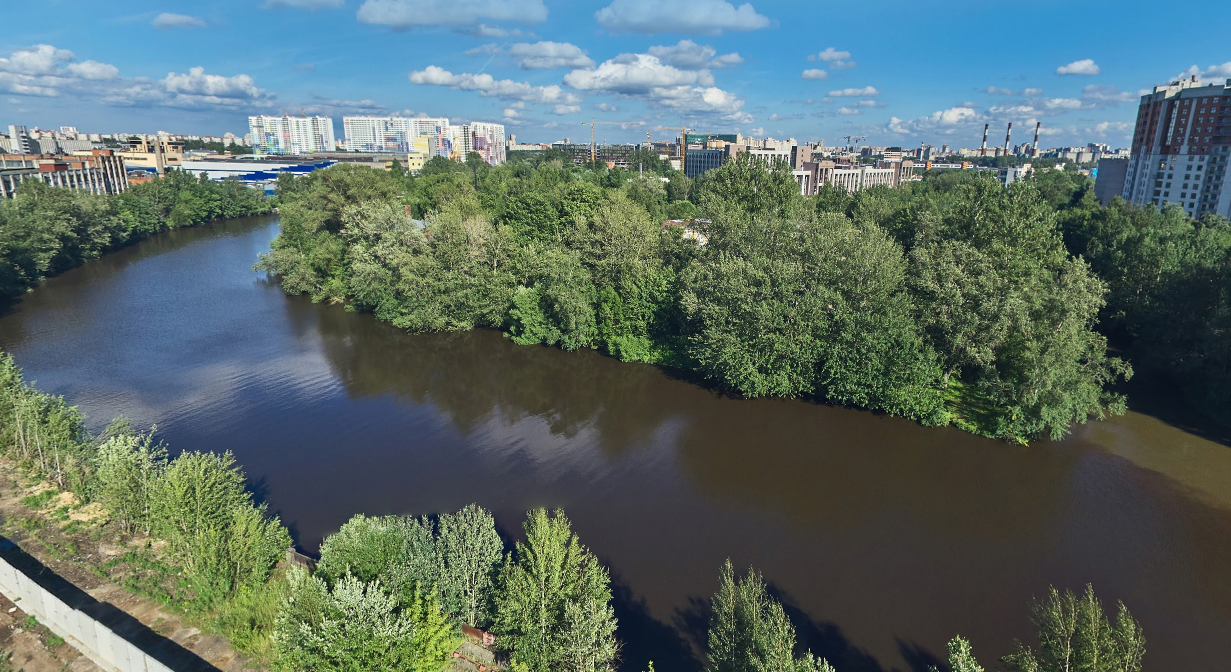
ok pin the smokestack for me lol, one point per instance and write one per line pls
(1035, 151)
(1007, 135)
(983, 147)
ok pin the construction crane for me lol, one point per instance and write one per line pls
(593, 123)
(853, 138)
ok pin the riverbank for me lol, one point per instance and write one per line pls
(81, 547)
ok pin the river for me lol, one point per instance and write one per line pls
(883, 538)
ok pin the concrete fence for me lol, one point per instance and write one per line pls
(93, 639)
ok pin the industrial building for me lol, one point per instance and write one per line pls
(1181, 145)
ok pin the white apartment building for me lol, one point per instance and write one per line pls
(291, 135)
(378, 134)
(1181, 147)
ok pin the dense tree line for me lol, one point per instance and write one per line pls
(47, 230)
(951, 300)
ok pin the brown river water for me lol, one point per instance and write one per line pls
(882, 537)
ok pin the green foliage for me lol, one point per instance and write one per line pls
(961, 658)
(48, 230)
(397, 551)
(750, 632)
(355, 626)
(1074, 633)
(470, 551)
(553, 604)
(222, 539)
(42, 431)
(127, 473)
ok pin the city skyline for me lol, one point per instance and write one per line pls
(897, 76)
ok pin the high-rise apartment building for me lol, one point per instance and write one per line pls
(378, 134)
(291, 135)
(1180, 148)
(485, 139)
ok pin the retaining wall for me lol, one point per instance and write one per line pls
(94, 640)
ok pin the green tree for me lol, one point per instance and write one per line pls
(1074, 634)
(470, 551)
(552, 609)
(961, 658)
(127, 469)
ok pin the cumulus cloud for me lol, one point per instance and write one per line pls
(310, 5)
(44, 70)
(837, 60)
(998, 91)
(488, 86)
(1113, 127)
(170, 20)
(1062, 104)
(847, 110)
(607, 107)
(856, 93)
(635, 74)
(403, 14)
(549, 55)
(93, 70)
(689, 54)
(710, 17)
(867, 103)
(1085, 66)
(815, 73)
(1097, 95)
(941, 121)
(1032, 92)
(646, 77)
(1214, 74)
(566, 109)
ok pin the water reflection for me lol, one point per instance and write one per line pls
(884, 538)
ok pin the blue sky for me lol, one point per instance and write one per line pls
(895, 71)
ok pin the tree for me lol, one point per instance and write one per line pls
(127, 469)
(397, 551)
(552, 607)
(470, 551)
(358, 627)
(750, 632)
(1075, 634)
(961, 658)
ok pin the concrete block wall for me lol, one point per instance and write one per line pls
(93, 639)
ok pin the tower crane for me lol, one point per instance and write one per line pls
(593, 123)
(684, 145)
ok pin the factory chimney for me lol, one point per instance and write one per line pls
(1035, 151)
(983, 147)
(1007, 135)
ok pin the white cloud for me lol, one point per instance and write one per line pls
(1062, 104)
(631, 74)
(42, 59)
(847, 110)
(607, 107)
(837, 60)
(1032, 92)
(310, 5)
(997, 91)
(690, 55)
(942, 121)
(549, 55)
(94, 70)
(197, 88)
(1086, 66)
(1215, 74)
(867, 103)
(491, 87)
(566, 109)
(170, 20)
(856, 93)
(410, 13)
(760, 130)
(1102, 95)
(709, 17)
(485, 50)
(815, 73)
(323, 105)
(1113, 127)
(831, 54)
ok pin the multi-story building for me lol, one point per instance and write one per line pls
(1181, 145)
(99, 171)
(292, 135)
(153, 153)
(378, 134)
(482, 138)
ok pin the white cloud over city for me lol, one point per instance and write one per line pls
(697, 17)
(549, 55)
(486, 85)
(1086, 66)
(412, 13)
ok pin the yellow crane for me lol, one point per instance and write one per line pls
(684, 145)
(593, 123)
